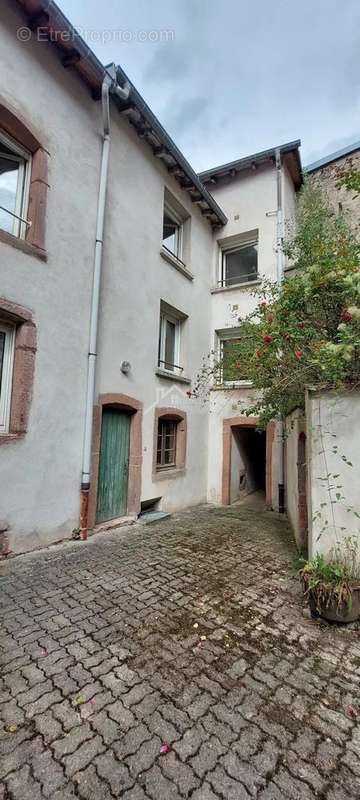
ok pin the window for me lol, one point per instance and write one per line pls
(170, 434)
(239, 263)
(6, 367)
(166, 444)
(15, 165)
(231, 369)
(169, 343)
(172, 232)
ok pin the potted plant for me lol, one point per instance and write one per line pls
(332, 584)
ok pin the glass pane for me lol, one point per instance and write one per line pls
(241, 265)
(9, 171)
(231, 368)
(169, 457)
(2, 348)
(170, 332)
(170, 234)
(165, 455)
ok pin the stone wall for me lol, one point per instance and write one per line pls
(341, 199)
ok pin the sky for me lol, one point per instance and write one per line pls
(228, 78)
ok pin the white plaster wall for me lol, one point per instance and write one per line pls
(332, 420)
(294, 426)
(40, 475)
(249, 201)
(135, 279)
(289, 205)
(246, 201)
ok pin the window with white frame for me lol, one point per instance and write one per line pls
(15, 165)
(169, 343)
(172, 239)
(7, 335)
(239, 263)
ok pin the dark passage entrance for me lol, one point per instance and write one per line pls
(248, 462)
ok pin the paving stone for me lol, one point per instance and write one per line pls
(199, 707)
(49, 728)
(111, 625)
(22, 785)
(66, 714)
(158, 787)
(179, 773)
(204, 793)
(114, 772)
(243, 772)
(48, 772)
(20, 756)
(162, 727)
(144, 757)
(83, 756)
(225, 786)
(123, 716)
(131, 741)
(89, 785)
(71, 741)
(136, 793)
(207, 756)
(189, 743)
(291, 787)
(33, 694)
(106, 727)
(42, 704)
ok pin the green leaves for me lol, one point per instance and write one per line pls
(297, 335)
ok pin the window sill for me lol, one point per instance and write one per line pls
(8, 438)
(23, 245)
(168, 474)
(170, 376)
(236, 286)
(175, 262)
(222, 387)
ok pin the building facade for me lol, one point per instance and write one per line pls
(327, 172)
(179, 255)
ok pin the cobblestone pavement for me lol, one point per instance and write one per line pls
(189, 632)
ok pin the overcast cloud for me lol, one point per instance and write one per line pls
(238, 76)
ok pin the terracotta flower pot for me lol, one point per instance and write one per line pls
(331, 610)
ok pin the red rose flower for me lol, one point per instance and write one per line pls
(301, 325)
(267, 338)
(346, 316)
(237, 365)
(299, 354)
(263, 304)
(270, 317)
(258, 354)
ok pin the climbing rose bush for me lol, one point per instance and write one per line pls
(308, 331)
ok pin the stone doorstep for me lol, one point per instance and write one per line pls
(119, 522)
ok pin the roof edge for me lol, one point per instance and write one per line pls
(254, 159)
(323, 162)
(74, 53)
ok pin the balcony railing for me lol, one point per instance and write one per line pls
(235, 280)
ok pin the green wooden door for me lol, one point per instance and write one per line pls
(114, 465)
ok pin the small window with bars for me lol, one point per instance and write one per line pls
(166, 444)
